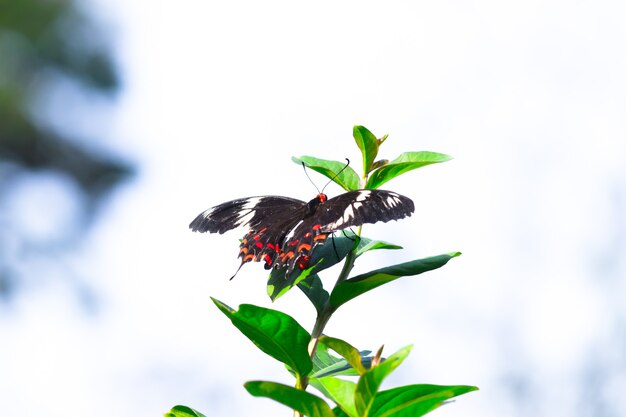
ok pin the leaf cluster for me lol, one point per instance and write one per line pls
(309, 356)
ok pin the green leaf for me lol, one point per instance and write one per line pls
(325, 255)
(405, 162)
(278, 284)
(313, 288)
(370, 381)
(368, 144)
(353, 287)
(346, 350)
(323, 360)
(337, 171)
(339, 412)
(366, 245)
(414, 400)
(325, 364)
(183, 411)
(340, 391)
(302, 401)
(274, 332)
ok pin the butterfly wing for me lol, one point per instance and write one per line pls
(270, 219)
(284, 231)
(296, 250)
(355, 208)
(252, 211)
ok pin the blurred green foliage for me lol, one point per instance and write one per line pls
(45, 44)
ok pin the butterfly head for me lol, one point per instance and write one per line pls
(314, 204)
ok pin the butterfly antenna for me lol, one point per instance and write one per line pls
(307, 175)
(337, 174)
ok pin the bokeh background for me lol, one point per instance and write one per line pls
(121, 121)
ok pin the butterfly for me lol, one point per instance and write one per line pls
(284, 231)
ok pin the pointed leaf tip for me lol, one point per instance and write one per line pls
(368, 144)
(275, 333)
(370, 381)
(360, 284)
(414, 400)
(407, 161)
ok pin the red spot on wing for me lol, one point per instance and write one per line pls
(303, 261)
(317, 227)
(287, 255)
(304, 246)
(258, 245)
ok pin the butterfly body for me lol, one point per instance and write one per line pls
(284, 231)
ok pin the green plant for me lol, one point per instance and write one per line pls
(307, 356)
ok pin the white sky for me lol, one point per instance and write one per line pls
(529, 97)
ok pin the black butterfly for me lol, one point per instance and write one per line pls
(284, 231)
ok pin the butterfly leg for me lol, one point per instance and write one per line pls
(236, 272)
(332, 238)
(353, 237)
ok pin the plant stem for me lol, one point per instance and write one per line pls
(324, 316)
(301, 383)
(349, 262)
